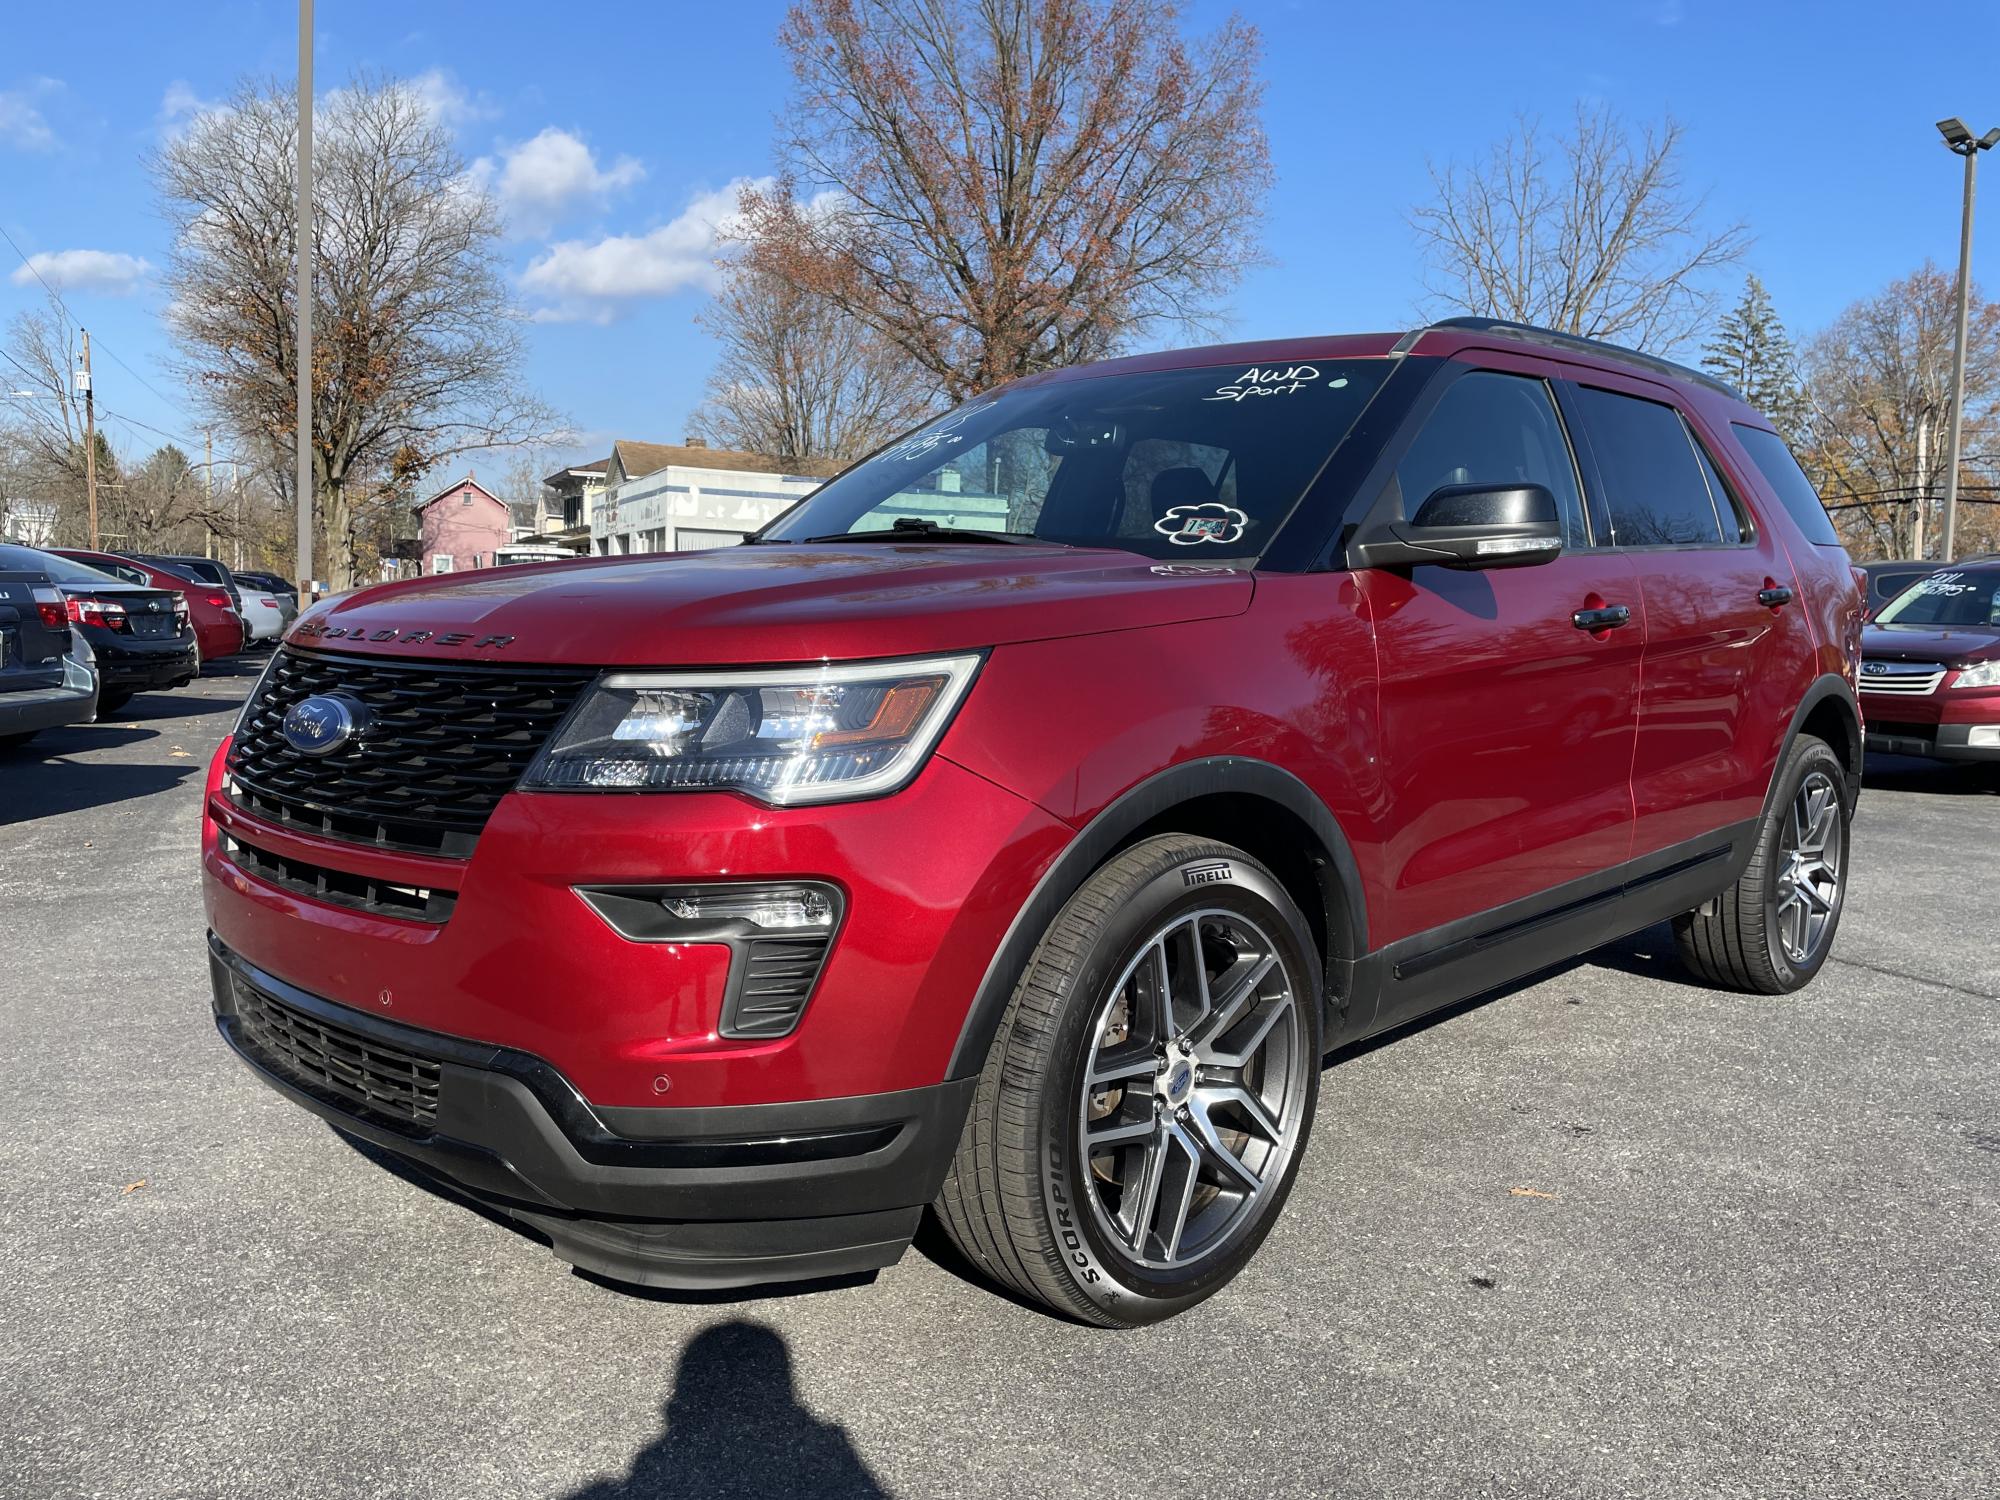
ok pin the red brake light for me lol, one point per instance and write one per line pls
(217, 601)
(55, 610)
(97, 612)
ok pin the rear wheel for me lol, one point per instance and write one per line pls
(1142, 1113)
(1771, 931)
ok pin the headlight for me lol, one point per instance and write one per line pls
(788, 735)
(1985, 674)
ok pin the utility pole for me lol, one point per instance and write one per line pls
(1962, 141)
(208, 491)
(304, 473)
(89, 441)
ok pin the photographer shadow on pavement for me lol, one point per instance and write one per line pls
(735, 1428)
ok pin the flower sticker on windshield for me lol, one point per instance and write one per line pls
(1211, 521)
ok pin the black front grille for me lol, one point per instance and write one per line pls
(443, 743)
(342, 887)
(778, 978)
(323, 1058)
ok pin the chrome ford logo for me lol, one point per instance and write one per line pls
(321, 724)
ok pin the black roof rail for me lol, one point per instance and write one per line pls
(1528, 333)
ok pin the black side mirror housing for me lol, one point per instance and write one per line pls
(1468, 526)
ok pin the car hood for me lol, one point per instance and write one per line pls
(1954, 643)
(774, 604)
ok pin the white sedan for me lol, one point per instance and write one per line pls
(263, 614)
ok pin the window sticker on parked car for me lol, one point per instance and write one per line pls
(1211, 521)
(1272, 380)
(1949, 584)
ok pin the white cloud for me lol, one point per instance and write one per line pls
(539, 180)
(22, 123)
(107, 271)
(447, 102)
(585, 279)
(181, 106)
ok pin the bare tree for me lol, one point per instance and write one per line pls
(1597, 236)
(416, 351)
(799, 377)
(1002, 186)
(44, 417)
(1878, 384)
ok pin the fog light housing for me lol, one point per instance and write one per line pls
(778, 934)
(1986, 736)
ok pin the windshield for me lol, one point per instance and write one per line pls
(1953, 598)
(1201, 464)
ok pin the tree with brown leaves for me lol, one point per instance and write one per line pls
(1598, 237)
(798, 378)
(1878, 384)
(996, 187)
(416, 351)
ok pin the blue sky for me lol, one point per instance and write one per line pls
(612, 130)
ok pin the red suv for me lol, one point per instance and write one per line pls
(1013, 826)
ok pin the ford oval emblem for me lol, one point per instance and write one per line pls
(321, 724)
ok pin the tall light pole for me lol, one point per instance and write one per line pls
(304, 471)
(1967, 145)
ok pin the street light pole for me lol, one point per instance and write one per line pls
(1961, 140)
(304, 469)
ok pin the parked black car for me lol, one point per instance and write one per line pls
(142, 636)
(270, 583)
(47, 675)
(1888, 579)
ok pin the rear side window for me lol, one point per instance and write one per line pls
(1655, 489)
(1496, 429)
(1789, 483)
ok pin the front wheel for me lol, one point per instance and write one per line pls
(1143, 1111)
(1770, 932)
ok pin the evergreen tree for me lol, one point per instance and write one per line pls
(1752, 351)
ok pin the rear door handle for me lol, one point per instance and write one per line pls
(1610, 617)
(1774, 597)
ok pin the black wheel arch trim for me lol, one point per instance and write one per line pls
(1829, 685)
(1130, 811)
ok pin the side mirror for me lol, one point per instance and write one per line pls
(1469, 526)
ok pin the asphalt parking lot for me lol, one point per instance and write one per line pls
(1605, 1235)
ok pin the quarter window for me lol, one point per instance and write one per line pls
(1652, 472)
(1788, 482)
(1490, 428)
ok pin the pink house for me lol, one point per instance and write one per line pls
(464, 524)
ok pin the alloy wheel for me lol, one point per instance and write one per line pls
(1809, 870)
(1194, 1095)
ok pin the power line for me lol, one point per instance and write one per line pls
(54, 295)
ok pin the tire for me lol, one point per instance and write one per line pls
(1074, 1228)
(110, 703)
(1770, 933)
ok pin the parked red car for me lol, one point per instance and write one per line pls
(1930, 667)
(218, 629)
(1015, 824)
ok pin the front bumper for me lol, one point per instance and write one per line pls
(668, 1197)
(1935, 741)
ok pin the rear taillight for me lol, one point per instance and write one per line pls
(98, 612)
(50, 605)
(180, 609)
(218, 601)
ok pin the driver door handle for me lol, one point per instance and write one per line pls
(1775, 596)
(1610, 617)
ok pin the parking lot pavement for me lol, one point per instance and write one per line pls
(1608, 1234)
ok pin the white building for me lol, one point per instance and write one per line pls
(659, 497)
(30, 523)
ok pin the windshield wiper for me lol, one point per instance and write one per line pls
(922, 528)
